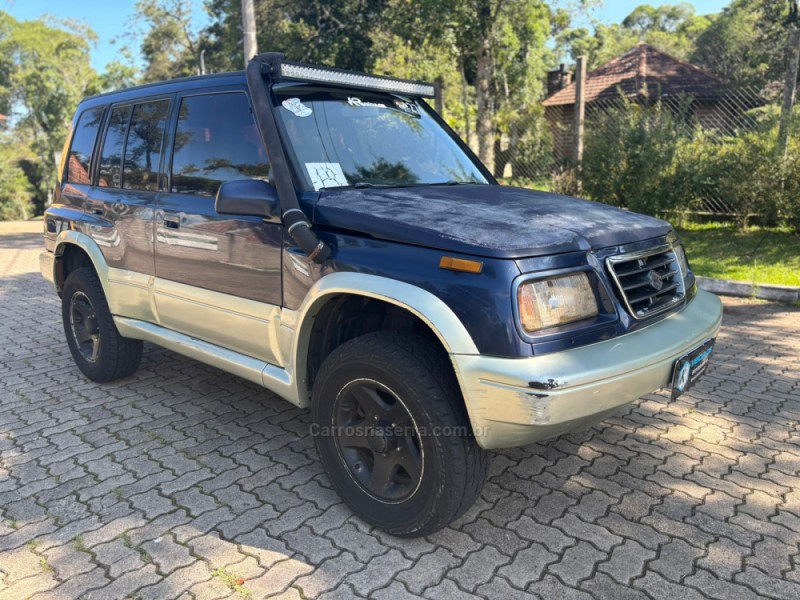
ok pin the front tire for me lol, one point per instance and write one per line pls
(98, 349)
(393, 435)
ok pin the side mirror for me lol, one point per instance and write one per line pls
(248, 198)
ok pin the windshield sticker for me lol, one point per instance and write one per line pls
(359, 102)
(296, 107)
(324, 174)
(407, 107)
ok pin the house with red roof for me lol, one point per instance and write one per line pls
(643, 74)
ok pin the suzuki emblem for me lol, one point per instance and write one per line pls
(655, 281)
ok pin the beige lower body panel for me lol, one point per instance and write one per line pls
(258, 371)
(244, 326)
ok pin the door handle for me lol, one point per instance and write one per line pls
(172, 222)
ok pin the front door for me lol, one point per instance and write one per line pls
(218, 278)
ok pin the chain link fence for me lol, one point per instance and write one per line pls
(654, 130)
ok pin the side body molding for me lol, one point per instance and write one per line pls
(296, 326)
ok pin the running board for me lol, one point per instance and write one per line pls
(272, 377)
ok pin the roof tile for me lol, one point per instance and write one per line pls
(643, 69)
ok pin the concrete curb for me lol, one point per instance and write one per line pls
(776, 293)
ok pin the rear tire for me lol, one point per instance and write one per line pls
(393, 435)
(98, 349)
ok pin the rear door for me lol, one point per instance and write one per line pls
(218, 277)
(122, 200)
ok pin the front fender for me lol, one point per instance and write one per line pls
(296, 326)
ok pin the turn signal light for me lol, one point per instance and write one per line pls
(460, 264)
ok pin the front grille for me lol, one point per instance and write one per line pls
(648, 282)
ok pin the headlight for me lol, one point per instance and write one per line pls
(550, 302)
(680, 254)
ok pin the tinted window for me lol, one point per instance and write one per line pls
(216, 140)
(143, 148)
(80, 153)
(111, 158)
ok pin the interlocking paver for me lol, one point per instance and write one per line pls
(183, 481)
(478, 568)
(627, 561)
(721, 589)
(428, 570)
(528, 565)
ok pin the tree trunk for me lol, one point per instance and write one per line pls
(792, 66)
(485, 102)
(501, 157)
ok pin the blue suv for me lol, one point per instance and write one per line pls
(326, 235)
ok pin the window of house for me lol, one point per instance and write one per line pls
(80, 152)
(143, 146)
(216, 140)
(111, 158)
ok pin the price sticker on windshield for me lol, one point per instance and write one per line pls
(326, 174)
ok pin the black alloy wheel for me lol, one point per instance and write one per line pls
(378, 440)
(84, 327)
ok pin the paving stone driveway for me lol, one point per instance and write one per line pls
(183, 481)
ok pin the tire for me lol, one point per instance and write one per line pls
(415, 477)
(98, 349)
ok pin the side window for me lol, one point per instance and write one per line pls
(143, 147)
(80, 151)
(111, 157)
(216, 140)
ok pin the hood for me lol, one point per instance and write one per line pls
(484, 220)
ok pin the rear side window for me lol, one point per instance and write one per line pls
(80, 152)
(216, 140)
(111, 157)
(143, 148)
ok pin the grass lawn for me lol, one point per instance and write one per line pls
(757, 255)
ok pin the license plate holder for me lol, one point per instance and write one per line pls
(689, 367)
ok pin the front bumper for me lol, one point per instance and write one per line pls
(513, 402)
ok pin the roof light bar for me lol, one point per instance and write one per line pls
(301, 72)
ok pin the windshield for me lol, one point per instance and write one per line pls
(362, 139)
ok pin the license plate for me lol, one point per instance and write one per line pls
(690, 367)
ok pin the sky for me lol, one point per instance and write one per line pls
(614, 11)
(111, 18)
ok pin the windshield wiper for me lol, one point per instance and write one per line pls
(367, 184)
(454, 182)
(362, 185)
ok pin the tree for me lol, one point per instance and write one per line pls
(746, 43)
(222, 38)
(671, 28)
(15, 189)
(340, 33)
(45, 72)
(499, 43)
(169, 43)
(120, 73)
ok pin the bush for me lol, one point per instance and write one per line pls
(15, 189)
(632, 153)
(653, 159)
(748, 173)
